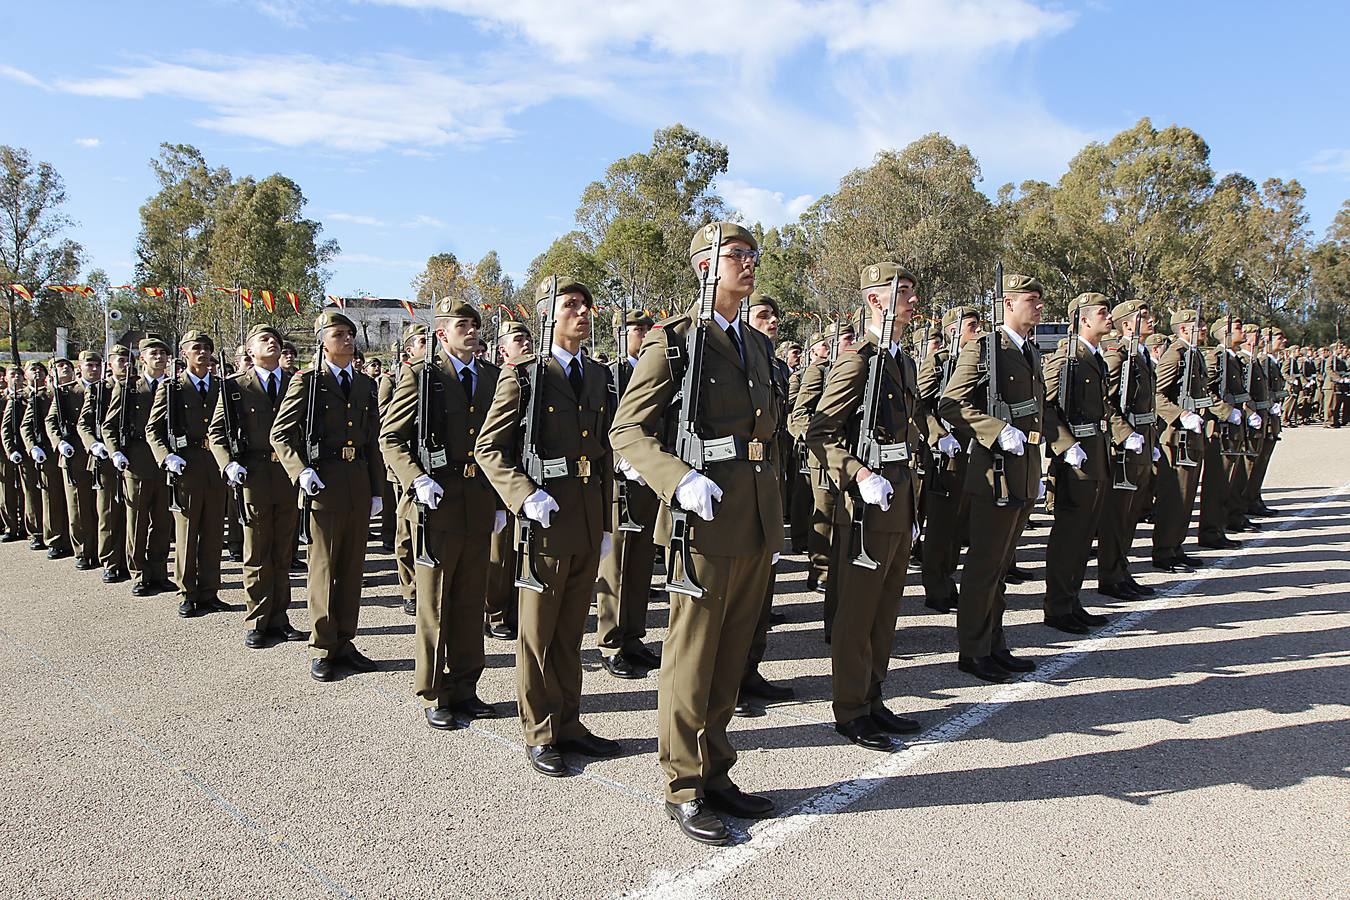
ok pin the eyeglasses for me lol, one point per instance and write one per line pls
(736, 254)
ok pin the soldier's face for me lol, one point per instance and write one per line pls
(764, 320)
(516, 345)
(37, 377)
(1022, 310)
(155, 359)
(459, 337)
(90, 370)
(64, 372)
(197, 355)
(266, 349)
(636, 335)
(339, 344)
(845, 341)
(970, 326)
(119, 365)
(16, 379)
(820, 351)
(1095, 323)
(572, 317)
(288, 358)
(416, 347)
(735, 269)
(794, 358)
(1146, 324)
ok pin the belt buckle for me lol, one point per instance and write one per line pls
(755, 451)
(348, 454)
(470, 470)
(1034, 437)
(583, 467)
(274, 456)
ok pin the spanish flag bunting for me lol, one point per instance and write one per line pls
(269, 301)
(506, 309)
(122, 287)
(228, 290)
(21, 291)
(294, 298)
(153, 291)
(187, 292)
(407, 305)
(520, 307)
(246, 296)
(337, 301)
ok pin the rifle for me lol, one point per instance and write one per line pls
(124, 421)
(626, 520)
(91, 461)
(1228, 445)
(996, 406)
(873, 453)
(175, 442)
(946, 467)
(1068, 375)
(1189, 402)
(1248, 371)
(688, 442)
(62, 432)
(527, 568)
(236, 445)
(1119, 455)
(311, 446)
(430, 455)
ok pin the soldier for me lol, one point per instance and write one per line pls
(1256, 412)
(1336, 375)
(1157, 344)
(1268, 370)
(1077, 421)
(500, 606)
(731, 546)
(1223, 454)
(414, 348)
(50, 476)
(449, 501)
(1003, 473)
(386, 381)
(1133, 413)
(1181, 406)
(11, 494)
(177, 434)
(879, 495)
(112, 519)
(801, 506)
(62, 425)
(342, 481)
(570, 507)
(624, 588)
(27, 498)
(244, 417)
(948, 504)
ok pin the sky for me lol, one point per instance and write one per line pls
(421, 126)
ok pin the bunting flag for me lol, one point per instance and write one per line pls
(246, 296)
(337, 301)
(506, 309)
(228, 290)
(122, 287)
(295, 299)
(153, 291)
(407, 304)
(83, 290)
(269, 301)
(524, 313)
(187, 292)
(21, 291)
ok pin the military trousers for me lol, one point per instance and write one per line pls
(149, 527)
(403, 558)
(702, 664)
(11, 499)
(1121, 512)
(51, 480)
(945, 529)
(268, 539)
(1174, 490)
(1214, 491)
(821, 538)
(979, 613)
(1236, 469)
(623, 591)
(31, 487)
(1256, 474)
(81, 508)
(801, 503)
(199, 536)
(1078, 511)
(449, 657)
(337, 558)
(500, 604)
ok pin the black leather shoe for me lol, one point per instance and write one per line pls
(112, 576)
(1221, 544)
(546, 760)
(9, 537)
(322, 670)
(236, 556)
(892, 724)
(591, 745)
(499, 632)
(944, 605)
(983, 668)
(619, 666)
(1005, 660)
(441, 717)
(215, 604)
(1172, 565)
(297, 564)
(360, 662)
(410, 606)
(59, 553)
(776, 618)
(165, 584)
(36, 544)
(1142, 590)
(187, 610)
(1194, 562)
(142, 589)
(288, 633)
(735, 802)
(755, 685)
(473, 708)
(644, 656)
(255, 639)
(1121, 591)
(1012, 577)
(699, 822)
(1089, 619)
(85, 565)
(1265, 510)
(865, 733)
(1019, 572)
(1068, 624)
(812, 581)
(747, 710)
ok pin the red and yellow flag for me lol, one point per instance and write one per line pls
(21, 291)
(524, 313)
(407, 305)
(247, 296)
(227, 290)
(153, 291)
(294, 298)
(122, 287)
(269, 301)
(187, 292)
(506, 309)
(337, 301)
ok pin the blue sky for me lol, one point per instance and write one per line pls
(417, 126)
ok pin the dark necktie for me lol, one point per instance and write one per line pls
(346, 381)
(736, 342)
(272, 389)
(574, 376)
(1027, 352)
(466, 379)
(201, 390)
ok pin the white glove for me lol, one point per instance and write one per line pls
(376, 505)
(1254, 420)
(914, 535)
(1191, 422)
(539, 507)
(1157, 454)
(773, 561)
(1234, 416)
(606, 545)
(120, 461)
(1040, 493)
(876, 490)
(98, 449)
(625, 468)
(427, 491)
(948, 446)
(696, 493)
(175, 463)
(498, 521)
(1012, 440)
(65, 449)
(39, 455)
(310, 482)
(235, 474)
(1075, 456)
(16, 457)
(1277, 412)
(1135, 443)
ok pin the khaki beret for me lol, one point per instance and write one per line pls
(1128, 308)
(815, 338)
(152, 340)
(792, 345)
(1277, 331)
(512, 327)
(883, 273)
(90, 356)
(759, 299)
(957, 313)
(447, 308)
(1087, 301)
(1021, 284)
(703, 237)
(639, 318)
(415, 329)
(566, 285)
(119, 350)
(331, 318)
(1155, 339)
(194, 336)
(1219, 330)
(838, 328)
(1182, 317)
(263, 328)
(1251, 328)
(59, 359)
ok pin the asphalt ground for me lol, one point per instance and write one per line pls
(1197, 746)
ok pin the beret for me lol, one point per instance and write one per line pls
(1087, 300)
(815, 338)
(331, 318)
(1128, 308)
(194, 337)
(957, 313)
(59, 359)
(1251, 328)
(1155, 339)
(838, 328)
(90, 356)
(566, 285)
(119, 350)
(1182, 317)
(883, 273)
(1219, 329)
(413, 330)
(759, 299)
(703, 237)
(639, 318)
(447, 308)
(792, 345)
(152, 340)
(263, 328)
(1021, 284)
(512, 327)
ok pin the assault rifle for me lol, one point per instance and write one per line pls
(871, 452)
(1119, 455)
(175, 441)
(1189, 402)
(626, 520)
(62, 431)
(996, 406)
(527, 568)
(430, 455)
(236, 445)
(311, 446)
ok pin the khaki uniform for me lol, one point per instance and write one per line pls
(623, 591)
(552, 623)
(394, 527)
(81, 507)
(50, 475)
(11, 492)
(1135, 414)
(147, 493)
(979, 619)
(108, 488)
(449, 654)
(704, 655)
(760, 644)
(1223, 473)
(28, 497)
(801, 502)
(351, 469)
(500, 605)
(947, 512)
(1335, 373)
(864, 625)
(1267, 396)
(269, 496)
(1176, 484)
(823, 493)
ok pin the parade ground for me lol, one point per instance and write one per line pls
(1197, 746)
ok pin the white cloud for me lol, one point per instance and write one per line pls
(88, 142)
(1333, 162)
(20, 76)
(756, 204)
(384, 262)
(419, 221)
(356, 219)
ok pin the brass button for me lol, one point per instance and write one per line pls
(473, 431)
(471, 453)
(759, 412)
(582, 458)
(470, 409)
(550, 409)
(349, 443)
(585, 433)
(349, 424)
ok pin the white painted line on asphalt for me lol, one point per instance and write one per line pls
(270, 838)
(697, 880)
